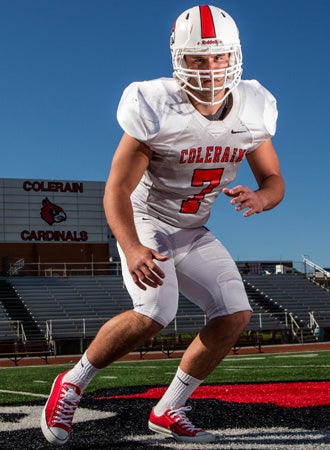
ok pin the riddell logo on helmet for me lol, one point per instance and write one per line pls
(209, 42)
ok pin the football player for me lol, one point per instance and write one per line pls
(184, 139)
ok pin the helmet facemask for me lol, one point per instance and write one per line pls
(191, 80)
(200, 31)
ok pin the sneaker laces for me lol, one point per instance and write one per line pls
(66, 405)
(179, 416)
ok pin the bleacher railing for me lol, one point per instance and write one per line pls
(296, 329)
(317, 273)
(318, 320)
(94, 268)
(67, 269)
(87, 327)
(17, 330)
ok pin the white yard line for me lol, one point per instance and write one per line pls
(5, 391)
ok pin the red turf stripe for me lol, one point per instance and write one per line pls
(288, 395)
(207, 25)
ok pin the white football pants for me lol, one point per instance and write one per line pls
(198, 266)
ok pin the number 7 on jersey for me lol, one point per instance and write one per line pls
(200, 177)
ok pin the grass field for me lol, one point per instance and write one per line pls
(250, 402)
(302, 366)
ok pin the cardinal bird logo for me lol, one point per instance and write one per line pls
(52, 213)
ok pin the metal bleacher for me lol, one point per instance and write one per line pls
(75, 307)
(65, 307)
(295, 294)
(78, 306)
(8, 328)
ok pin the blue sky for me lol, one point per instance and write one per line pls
(65, 63)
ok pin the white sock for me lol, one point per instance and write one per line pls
(178, 392)
(82, 373)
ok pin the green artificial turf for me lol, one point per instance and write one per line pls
(17, 382)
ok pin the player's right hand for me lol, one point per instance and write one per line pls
(142, 267)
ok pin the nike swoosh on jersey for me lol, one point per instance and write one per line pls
(238, 131)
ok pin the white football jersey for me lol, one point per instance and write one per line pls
(193, 158)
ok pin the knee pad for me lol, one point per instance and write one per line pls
(161, 312)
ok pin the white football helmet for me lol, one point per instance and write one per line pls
(206, 30)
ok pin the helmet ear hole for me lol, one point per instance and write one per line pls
(205, 30)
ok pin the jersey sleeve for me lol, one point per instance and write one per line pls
(135, 113)
(260, 112)
(270, 112)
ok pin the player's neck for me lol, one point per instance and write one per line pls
(208, 110)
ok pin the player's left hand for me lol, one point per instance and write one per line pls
(244, 198)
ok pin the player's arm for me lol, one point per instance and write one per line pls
(265, 166)
(129, 163)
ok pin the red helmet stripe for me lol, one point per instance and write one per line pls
(207, 24)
